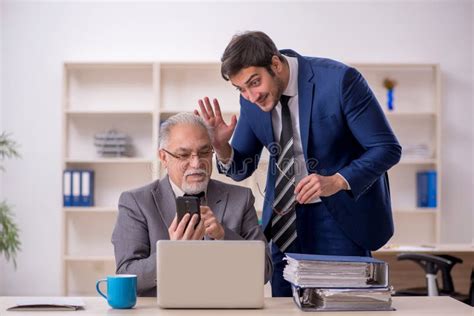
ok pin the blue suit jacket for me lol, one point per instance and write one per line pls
(343, 129)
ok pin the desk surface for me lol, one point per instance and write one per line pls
(406, 306)
(428, 248)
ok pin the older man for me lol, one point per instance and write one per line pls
(148, 214)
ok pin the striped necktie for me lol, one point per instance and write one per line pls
(283, 221)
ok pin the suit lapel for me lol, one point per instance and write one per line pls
(306, 97)
(165, 200)
(217, 199)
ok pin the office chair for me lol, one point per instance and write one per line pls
(470, 299)
(431, 265)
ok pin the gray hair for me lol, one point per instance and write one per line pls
(177, 119)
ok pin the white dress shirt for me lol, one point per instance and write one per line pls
(292, 91)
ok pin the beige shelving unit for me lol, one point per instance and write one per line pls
(135, 97)
(99, 97)
(416, 119)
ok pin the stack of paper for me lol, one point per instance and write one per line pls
(417, 151)
(112, 143)
(338, 282)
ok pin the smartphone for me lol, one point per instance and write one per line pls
(188, 204)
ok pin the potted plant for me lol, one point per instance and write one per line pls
(9, 232)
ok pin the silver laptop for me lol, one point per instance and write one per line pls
(210, 274)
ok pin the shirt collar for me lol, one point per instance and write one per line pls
(176, 189)
(292, 88)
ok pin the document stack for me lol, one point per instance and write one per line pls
(337, 283)
(112, 144)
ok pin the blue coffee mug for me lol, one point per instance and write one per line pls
(121, 290)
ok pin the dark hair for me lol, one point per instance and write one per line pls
(251, 48)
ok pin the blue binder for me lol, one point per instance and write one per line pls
(76, 188)
(426, 188)
(332, 258)
(67, 188)
(87, 188)
(432, 193)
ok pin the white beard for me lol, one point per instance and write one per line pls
(194, 188)
(197, 187)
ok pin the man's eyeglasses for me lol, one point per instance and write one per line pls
(187, 156)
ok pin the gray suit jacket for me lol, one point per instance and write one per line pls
(146, 213)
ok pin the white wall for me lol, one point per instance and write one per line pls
(38, 37)
(472, 116)
(1, 128)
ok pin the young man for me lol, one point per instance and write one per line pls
(148, 214)
(330, 148)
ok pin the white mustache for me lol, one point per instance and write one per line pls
(195, 172)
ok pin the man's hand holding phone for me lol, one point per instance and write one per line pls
(182, 231)
(193, 221)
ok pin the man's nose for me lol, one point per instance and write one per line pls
(194, 161)
(252, 96)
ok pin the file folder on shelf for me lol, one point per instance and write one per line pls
(426, 188)
(76, 188)
(67, 188)
(87, 188)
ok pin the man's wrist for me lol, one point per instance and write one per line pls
(342, 182)
(223, 234)
(223, 153)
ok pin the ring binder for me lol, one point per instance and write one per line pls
(321, 282)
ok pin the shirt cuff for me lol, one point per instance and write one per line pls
(348, 185)
(226, 167)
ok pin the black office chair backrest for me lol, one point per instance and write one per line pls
(471, 290)
(431, 264)
(448, 285)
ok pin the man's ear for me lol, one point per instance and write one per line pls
(163, 157)
(277, 64)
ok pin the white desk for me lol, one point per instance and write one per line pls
(428, 248)
(406, 306)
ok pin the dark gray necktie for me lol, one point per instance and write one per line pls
(283, 222)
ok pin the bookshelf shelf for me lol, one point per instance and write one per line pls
(89, 258)
(110, 161)
(417, 161)
(88, 210)
(106, 112)
(420, 210)
(411, 115)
